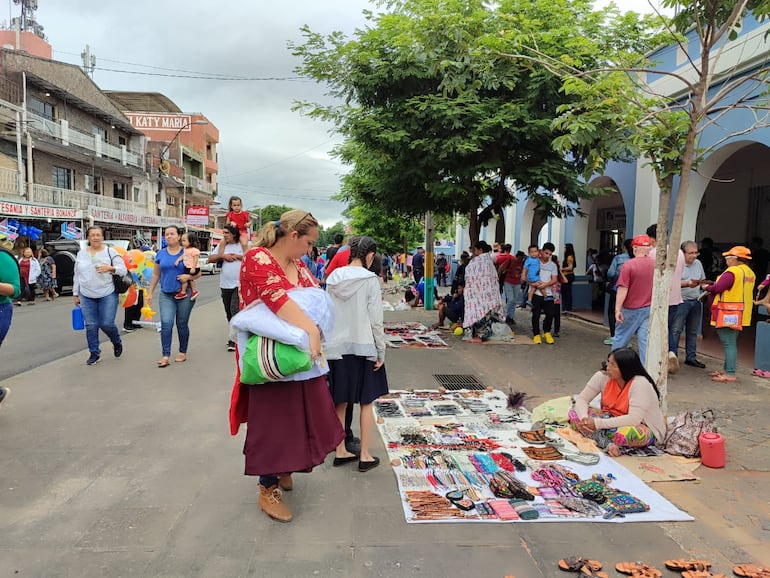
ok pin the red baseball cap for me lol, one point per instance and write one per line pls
(642, 241)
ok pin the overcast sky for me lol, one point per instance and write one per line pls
(267, 153)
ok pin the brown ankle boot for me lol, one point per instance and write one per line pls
(286, 483)
(271, 503)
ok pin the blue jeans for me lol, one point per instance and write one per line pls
(688, 315)
(172, 310)
(100, 314)
(635, 322)
(512, 298)
(672, 313)
(6, 314)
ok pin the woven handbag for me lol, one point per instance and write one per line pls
(268, 360)
(684, 431)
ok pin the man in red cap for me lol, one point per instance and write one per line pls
(634, 296)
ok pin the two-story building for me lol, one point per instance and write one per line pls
(181, 151)
(67, 153)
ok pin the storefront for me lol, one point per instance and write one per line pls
(37, 224)
(126, 225)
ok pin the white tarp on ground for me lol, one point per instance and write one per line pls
(483, 416)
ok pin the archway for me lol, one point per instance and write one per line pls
(729, 198)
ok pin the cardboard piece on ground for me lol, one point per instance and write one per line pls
(663, 468)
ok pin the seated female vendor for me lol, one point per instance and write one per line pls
(630, 415)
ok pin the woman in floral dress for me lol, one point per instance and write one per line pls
(292, 425)
(483, 302)
(47, 275)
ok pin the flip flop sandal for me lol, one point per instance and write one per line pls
(758, 373)
(535, 436)
(724, 378)
(576, 564)
(717, 373)
(681, 565)
(163, 362)
(638, 569)
(588, 572)
(751, 571)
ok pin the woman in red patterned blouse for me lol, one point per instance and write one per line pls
(292, 425)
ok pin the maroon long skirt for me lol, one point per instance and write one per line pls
(292, 426)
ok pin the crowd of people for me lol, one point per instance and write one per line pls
(296, 419)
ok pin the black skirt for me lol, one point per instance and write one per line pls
(352, 379)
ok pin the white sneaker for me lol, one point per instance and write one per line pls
(673, 362)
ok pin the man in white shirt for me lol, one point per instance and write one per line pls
(230, 253)
(543, 298)
(690, 311)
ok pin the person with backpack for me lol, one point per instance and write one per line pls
(10, 289)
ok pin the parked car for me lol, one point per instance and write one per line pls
(63, 252)
(206, 267)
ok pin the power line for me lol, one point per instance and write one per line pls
(284, 196)
(186, 73)
(279, 160)
(223, 78)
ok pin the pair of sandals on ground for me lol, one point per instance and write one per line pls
(722, 377)
(180, 358)
(688, 568)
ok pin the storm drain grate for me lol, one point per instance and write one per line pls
(455, 381)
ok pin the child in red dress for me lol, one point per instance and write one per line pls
(238, 217)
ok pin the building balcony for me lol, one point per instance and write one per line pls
(9, 184)
(199, 185)
(82, 200)
(211, 165)
(61, 132)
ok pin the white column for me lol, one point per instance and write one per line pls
(64, 127)
(646, 199)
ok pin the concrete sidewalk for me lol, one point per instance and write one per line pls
(124, 469)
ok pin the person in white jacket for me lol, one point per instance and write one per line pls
(356, 347)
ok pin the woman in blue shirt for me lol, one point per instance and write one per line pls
(169, 272)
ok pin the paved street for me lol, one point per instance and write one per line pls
(124, 469)
(43, 332)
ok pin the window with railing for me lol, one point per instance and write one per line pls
(62, 178)
(92, 184)
(39, 107)
(119, 190)
(97, 130)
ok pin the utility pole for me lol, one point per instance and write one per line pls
(430, 279)
(89, 61)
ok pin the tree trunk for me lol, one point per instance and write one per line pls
(473, 216)
(657, 340)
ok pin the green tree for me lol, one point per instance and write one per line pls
(435, 120)
(326, 236)
(615, 112)
(393, 232)
(268, 213)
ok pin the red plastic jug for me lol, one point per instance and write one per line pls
(712, 450)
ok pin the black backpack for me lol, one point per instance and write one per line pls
(12, 256)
